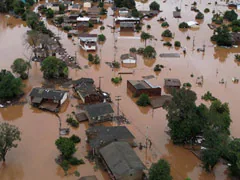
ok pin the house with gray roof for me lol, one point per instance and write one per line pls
(48, 99)
(172, 83)
(121, 161)
(99, 112)
(99, 136)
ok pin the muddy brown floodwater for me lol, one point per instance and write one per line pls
(34, 157)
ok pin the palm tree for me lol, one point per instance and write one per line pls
(145, 36)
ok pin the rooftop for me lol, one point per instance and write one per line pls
(127, 24)
(125, 159)
(47, 93)
(101, 135)
(172, 82)
(88, 35)
(140, 84)
(83, 80)
(98, 109)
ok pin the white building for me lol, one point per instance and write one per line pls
(88, 42)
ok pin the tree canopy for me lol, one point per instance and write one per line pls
(160, 171)
(222, 36)
(230, 15)
(66, 146)
(145, 36)
(154, 6)
(143, 100)
(9, 134)
(125, 3)
(53, 67)
(149, 52)
(167, 33)
(10, 86)
(20, 66)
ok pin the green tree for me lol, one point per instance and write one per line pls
(10, 86)
(90, 57)
(135, 13)
(149, 52)
(61, 8)
(222, 36)
(230, 15)
(183, 25)
(9, 134)
(49, 13)
(154, 6)
(165, 24)
(199, 15)
(167, 33)
(143, 100)
(20, 66)
(66, 146)
(177, 44)
(145, 36)
(53, 67)
(160, 171)
(185, 119)
(32, 20)
(101, 38)
(125, 3)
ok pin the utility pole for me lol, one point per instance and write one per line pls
(193, 42)
(118, 98)
(100, 77)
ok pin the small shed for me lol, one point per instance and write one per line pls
(172, 83)
(177, 14)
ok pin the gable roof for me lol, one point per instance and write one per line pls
(85, 89)
(98, 109)
(121, 159)
(47, 93)
(101, 135)
(83, 80)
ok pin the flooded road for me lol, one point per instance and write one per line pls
(34, 157)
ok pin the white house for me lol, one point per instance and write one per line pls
(87, 4)
(88, 42)
(53, 6)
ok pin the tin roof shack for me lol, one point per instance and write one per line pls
(86, 90)
(138, 87)
(235, 38)
(172, 83)
(100, 136)
(88, 178)
(100, 112)
(48, 99)
(88, 42)
(54, 6)
(121, 161)
(125, 26)
(74, 8)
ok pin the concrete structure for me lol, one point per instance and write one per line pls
(138, 87)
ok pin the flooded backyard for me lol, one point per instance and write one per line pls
(35, 156)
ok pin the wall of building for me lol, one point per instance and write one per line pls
(64, 98)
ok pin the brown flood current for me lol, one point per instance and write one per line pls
(34, 157)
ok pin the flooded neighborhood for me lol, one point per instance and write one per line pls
(120, 90)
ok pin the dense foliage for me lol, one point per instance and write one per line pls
(125, 3)
(10, 86)
(101, 38)
(183, 25)
(230, 15)
(20, 66)
(145, 36)
(167, 33)
(222, 36)
(149, 52)
(160, 171)
(199, 15)
(154, 6)
(9, 134)
(143, 100)
(53, 67)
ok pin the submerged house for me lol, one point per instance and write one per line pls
(138, 87)
(48, 99)
(99, 136)
(172, 83)
(54, 6)
(123, 12)
(127, 26)
(127, 19)
(74, 8)
(121, 161)
(99, 112)
(87, 91)
(93, 11)
(88, 42)
(128, 59)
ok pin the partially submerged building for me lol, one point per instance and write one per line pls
(48, 99)
(172, 83)
(87, 91)
(88, 42)
(138, 87)
(126, 26)
(128, 59)
(127, 19)
(123, 12)
(74, 8)
(93, 11)
(177, 14)
(54, 6)
(121, 162)
(100, 136)
(99, 112)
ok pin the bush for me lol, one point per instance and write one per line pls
(177, 44)
(208, 97)
(116, 80)
(237, 57)
(206, 10)
(71, 121)
(74, 161)
(96, 59)
(165, 24)
(183, 25)
(133, 50)
(135, 13)
(102, 28)
(148, 26)
(154, 6)
(235, 29)
(149, 52)
(103, 11)
(167, 44)
(199, 15)
(49, 13)
(157, 68)
(140, 50)
(187, 85)
(90, 57)
(167, 33)
(67, 28)
(230, 15)
(65, 165)
(90, 24)
(138, 27)
(188, 38)
(116, 64)
(75, 139)
(101, 38)
(143, 100)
